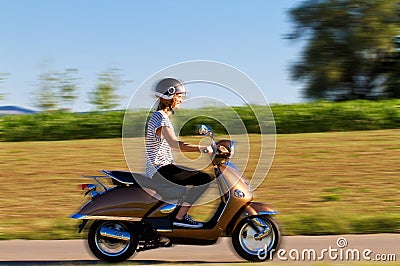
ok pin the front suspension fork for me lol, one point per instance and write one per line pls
(256, 223)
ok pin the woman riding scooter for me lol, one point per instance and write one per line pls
(125, 216)
(161, 139)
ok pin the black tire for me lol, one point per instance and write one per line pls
(256, 250)
(111, 249)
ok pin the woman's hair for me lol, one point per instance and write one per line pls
(166, 104)
(163, 104)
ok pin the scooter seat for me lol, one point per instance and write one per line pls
(161, 186)
(123, 177)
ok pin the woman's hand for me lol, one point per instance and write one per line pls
(208, 149)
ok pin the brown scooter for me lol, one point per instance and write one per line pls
(126, 218)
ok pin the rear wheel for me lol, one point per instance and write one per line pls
(112, 241)
(256, 238)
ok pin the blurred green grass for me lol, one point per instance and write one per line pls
(321, 183)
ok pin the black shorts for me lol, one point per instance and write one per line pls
(184, 177)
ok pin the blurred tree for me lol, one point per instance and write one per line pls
(2, 79)
(347, 42)
(392, 67)
(393, 82)
(68, 85)
(46, 94)
(104, 97)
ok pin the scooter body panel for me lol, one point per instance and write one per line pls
(237, 196)
(127, 201)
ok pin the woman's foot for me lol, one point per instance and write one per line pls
(187, 221)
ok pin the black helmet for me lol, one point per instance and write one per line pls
(168, 87)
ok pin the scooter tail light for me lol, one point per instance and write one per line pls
(87, 186)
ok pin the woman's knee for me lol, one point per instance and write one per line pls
(204, 178)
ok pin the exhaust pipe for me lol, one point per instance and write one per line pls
(116, 234)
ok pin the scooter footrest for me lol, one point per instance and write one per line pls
(160, 224)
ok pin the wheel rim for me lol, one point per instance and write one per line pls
(109, 246)
(253, 246)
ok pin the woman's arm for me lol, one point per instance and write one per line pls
(176, 144)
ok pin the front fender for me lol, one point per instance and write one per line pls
(250, 209)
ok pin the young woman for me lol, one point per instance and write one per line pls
(161, 139)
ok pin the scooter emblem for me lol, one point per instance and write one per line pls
(238, 194)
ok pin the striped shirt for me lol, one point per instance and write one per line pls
(158, 151)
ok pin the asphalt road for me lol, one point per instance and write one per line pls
(377, 247)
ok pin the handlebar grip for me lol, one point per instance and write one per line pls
(214, 148)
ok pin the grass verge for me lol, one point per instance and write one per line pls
(321, 183)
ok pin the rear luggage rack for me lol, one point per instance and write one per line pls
(118, 178)
(95, 178)
(121, 177)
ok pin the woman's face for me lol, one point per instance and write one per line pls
(178, 99)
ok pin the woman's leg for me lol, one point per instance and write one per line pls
(183, 176)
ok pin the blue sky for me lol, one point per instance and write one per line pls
(141, 38)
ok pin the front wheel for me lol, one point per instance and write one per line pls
(256, 238)
(112, 241)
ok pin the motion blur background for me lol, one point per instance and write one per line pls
(329, 69)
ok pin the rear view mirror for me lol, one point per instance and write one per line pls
(204, 130)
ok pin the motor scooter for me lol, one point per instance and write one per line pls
(126, 217)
